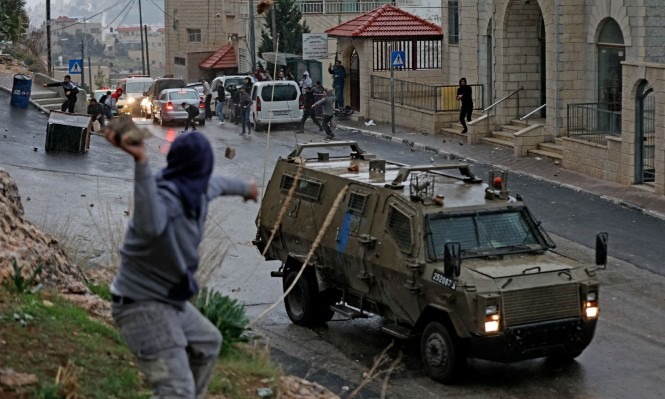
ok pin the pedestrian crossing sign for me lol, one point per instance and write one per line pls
(75, 66)
(397, 59)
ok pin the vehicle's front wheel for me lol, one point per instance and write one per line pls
(302, 302)
(443, 359)
(258, 127)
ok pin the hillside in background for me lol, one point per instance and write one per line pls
(152, 11)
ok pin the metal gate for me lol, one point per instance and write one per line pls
(355, 81)
(645, 140)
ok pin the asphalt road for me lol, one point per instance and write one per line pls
(83, 198)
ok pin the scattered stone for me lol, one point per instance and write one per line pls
(47, 304)
(461, 143)
(11, 379)
(264, 392)
(444, 140)
(34, 149)
(83, 195)
(92, 205)
(538, 158)
(230, 152)
(293, 387)
(557, 162)
(27, 198)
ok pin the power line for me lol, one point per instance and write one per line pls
(78, 21)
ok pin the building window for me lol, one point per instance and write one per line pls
(453, 22)
(179, 61)
(611, 53)
(418, 54)
(194, 35)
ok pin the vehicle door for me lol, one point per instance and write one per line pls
(354, 237)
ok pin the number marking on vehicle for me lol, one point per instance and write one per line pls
(441, 278)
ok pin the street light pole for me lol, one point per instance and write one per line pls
(82, 68)
(49, 67)
(252, 44)
(141, 32)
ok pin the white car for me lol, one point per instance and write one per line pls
(283, 105)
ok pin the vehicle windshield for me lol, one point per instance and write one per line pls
(138, 87)
(184, 95)
(485, 233)
(236, 81)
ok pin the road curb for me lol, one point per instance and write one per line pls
(429, 148)
(32, 102)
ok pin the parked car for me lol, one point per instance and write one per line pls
(237, 80)
(284, 105)
(168, 106)
(133, 88)
(159, 84)
(198, 87)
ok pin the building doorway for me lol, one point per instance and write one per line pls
(354, 80)
(645, 134)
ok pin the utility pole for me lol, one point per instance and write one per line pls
(90, 73)
(141, 32)
(82, 67)
(147, 49)
(252, 44)
(49, 67)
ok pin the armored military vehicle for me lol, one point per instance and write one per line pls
(432, 249)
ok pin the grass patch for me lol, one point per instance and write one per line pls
(40, 337)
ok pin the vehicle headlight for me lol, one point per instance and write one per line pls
(130, 100)
(492, 318)
(591, 309)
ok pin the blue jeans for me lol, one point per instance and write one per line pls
(176, 349)
(339, 93)
(219, 109)
(244, 119)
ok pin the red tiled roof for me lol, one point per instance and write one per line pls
(225, 57)
(386, 21)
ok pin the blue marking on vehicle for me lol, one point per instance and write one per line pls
(344, 232)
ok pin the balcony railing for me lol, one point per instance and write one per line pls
(594, 121)
(339, 7)
(426, 97)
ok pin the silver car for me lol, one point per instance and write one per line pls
(168, 106)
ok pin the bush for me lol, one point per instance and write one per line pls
(226, 314)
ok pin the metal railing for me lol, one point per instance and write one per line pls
(504, 99)
(527, 116)
(339, 7)
(594, 121)
(435, 98)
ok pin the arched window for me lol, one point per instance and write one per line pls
(611, 52)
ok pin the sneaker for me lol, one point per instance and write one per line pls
(243, 134)
(464, 131)
(220, 123)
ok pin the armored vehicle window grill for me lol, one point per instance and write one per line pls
(538, 304)
(399, 225)
(482, 234)
(309, 189)
(357, 202)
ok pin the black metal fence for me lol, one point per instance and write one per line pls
(422, 96)
(594, 121)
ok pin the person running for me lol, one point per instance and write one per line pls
(71, 91)
(327, 103)
(308, 111)
(465, 96)
(175, 346)
(96, 114)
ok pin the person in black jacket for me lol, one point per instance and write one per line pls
(465, 96)
(192, 112)
(96, 114)
(308, 111)
(70, 93)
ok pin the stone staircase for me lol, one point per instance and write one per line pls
(506, 135)
(47, 99)
(549, 150)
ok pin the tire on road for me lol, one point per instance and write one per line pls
(304, 305)
(443, 359)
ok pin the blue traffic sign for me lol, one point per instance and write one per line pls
(75, 66)
(397, 59)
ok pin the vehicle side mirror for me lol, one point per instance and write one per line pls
(452, 260)
(601, 249)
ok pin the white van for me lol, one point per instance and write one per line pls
(283, 106)
(236, 80)
(133, 88)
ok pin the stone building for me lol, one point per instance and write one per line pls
(590, 72)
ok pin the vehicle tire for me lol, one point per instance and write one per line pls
(442, 358)
(258, 127)
(325, 300)
(202, 122)
(564, 357)
(301, 304)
